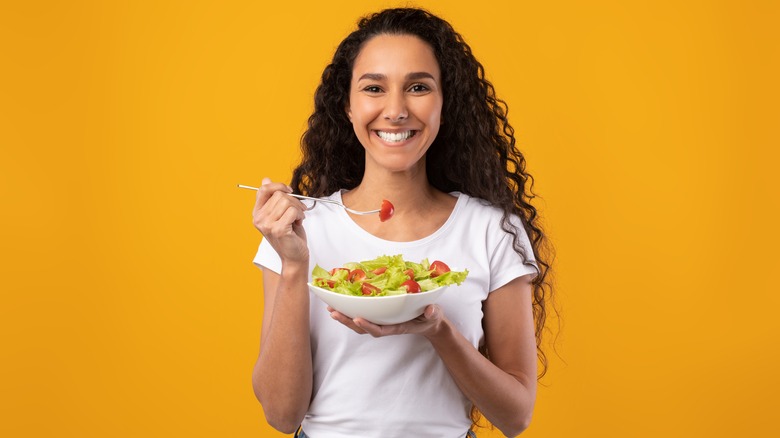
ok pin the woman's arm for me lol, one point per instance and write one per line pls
(502, 388)
(282, 376)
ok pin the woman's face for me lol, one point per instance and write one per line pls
(395, 101)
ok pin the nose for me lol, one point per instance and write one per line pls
(395, 107)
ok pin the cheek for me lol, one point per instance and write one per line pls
(433, 111)
(363, 110)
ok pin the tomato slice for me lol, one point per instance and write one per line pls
(369, 289)
(411, 286)
(379, 271)
(334, 270)
(356, 275)
(438, 268)
(410, 273)
(386, 211)
(321, 282)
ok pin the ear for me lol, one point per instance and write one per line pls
(349, 112)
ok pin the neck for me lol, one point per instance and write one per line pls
(408, 191)
(420, 209)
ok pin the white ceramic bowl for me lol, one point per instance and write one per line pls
(392, 309)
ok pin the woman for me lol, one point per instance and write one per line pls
(403, 113)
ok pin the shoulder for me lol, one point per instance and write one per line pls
(482, 211)
(481, 221)
(503, 248)
(486, 219)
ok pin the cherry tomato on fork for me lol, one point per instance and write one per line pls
(386, 211)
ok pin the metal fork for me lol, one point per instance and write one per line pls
(329, 201)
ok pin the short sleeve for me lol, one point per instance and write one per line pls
(267, 257)
(506, 264)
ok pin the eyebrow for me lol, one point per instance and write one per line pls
(410, 76)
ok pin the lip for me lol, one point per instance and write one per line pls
(395, 131)
(415, 133)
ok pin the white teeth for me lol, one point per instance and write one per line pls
(395, 137)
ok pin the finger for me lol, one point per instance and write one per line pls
(340, 317)
(378, 331)
(281, 223)
(279, 197)
(275, 212)
(432, 312)
(265, 214)
(292, 215)
(267, 189)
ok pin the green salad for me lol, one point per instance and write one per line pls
(386, 275)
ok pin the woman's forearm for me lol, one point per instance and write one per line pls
(506, 400)
(282, 377)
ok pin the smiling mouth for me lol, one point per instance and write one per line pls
(396, 137)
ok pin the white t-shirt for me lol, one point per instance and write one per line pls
(397, 386)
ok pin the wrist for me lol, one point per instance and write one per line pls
(441, 331)
(295, 269)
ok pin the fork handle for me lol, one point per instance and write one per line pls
(241, 186)
(329, 201)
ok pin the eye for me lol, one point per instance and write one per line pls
(372, 89)
(419, 88)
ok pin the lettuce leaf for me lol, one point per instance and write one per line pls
(387, 273)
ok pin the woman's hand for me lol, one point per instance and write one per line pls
(279, 218)
(426, 324)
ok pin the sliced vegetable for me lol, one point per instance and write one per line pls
(356, 275)
(386, 275)
(386, 210)
(335, 271)
(411, 286)
(369, 289)
(438, 268)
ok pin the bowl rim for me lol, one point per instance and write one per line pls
(386, 297)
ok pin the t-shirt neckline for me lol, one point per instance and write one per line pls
(362, 233)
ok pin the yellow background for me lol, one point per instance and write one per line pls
(130, 307)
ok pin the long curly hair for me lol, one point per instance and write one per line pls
(474, 152)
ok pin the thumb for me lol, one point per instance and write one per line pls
(266, 180)
(431, 312)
